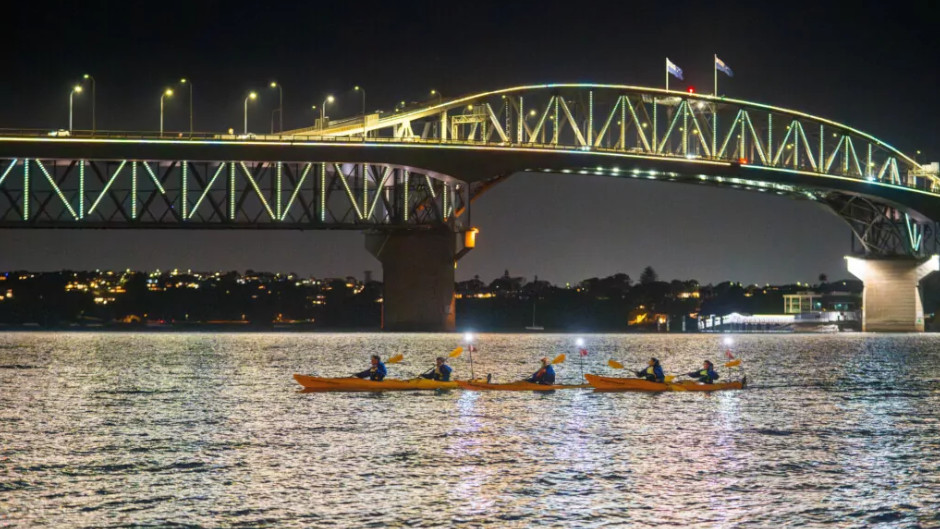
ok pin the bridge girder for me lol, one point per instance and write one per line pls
(614, 130)
(123, 193)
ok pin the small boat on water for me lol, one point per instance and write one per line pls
(481, 385)
(638, 384)
(312, 383)
(534, 327)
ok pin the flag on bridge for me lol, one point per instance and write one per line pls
(721, 66)
(672, 69)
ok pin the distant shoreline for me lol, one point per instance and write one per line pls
(306, 329)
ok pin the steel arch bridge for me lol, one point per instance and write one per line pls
(424, 163)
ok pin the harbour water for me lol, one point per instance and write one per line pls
(209, 430)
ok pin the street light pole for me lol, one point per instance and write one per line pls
(363, 90)
(166, 93)
(329, 99)
(93, 124)
(189, 83)
(280, 107)
(75, 89)
(251, 95)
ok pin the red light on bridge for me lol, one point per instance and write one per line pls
(691, 89)
(742, 160)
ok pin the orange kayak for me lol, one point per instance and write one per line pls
(638, 384)
(479, 385)
(311, 383)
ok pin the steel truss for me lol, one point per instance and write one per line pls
(63, 193)
(661, 124)
(762, 148)
(882, 231)
(651, 122)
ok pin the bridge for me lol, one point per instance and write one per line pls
(408, 178)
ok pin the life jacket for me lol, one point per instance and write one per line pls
(653, 373)
(442, 373)
(707, 376)
(377, 372)
(545, 375)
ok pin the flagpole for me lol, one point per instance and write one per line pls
(582, 364)
(715, 68)
(472, 376)
(667, 74)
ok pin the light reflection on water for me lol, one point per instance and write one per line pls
(112, 430)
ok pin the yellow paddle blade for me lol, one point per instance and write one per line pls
(615, 364)
(733, 363)
(559, 359)
(395, 359)
(669, 378)
(456, 352)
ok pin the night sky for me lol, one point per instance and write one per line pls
(872, 65)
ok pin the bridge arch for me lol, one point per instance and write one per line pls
(420, 167)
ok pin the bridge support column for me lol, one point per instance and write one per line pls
(891, 299)
(418, 272)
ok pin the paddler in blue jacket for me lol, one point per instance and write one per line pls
(441, 371)
(706, 375)
(377, 372)
(653, 373)
(545, 375)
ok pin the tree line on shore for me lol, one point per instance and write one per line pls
(612, 303)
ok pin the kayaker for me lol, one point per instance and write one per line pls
(545, 375)
(440, 372)
(706, 375)
(653, 372)
(377, 372)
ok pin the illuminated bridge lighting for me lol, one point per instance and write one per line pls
(300, 178)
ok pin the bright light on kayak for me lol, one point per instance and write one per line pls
(468, 337)
(728, 341)
(579, 342)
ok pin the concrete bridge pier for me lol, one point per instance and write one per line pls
(418, 271)
(891, 299)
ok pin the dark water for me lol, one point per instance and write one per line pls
(202, 430)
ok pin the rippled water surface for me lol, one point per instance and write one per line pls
(209, 430)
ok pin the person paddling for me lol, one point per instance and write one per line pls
(376, 372)
(545, 375)
(653, 372)
(706, 375)
(441, 371)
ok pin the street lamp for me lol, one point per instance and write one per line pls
(280, 107)
(92, 79)
(440, 98)
(329, 99)
(251, 95)
(77, 89)
(166, 93)
(358, 88)
(189, 83)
